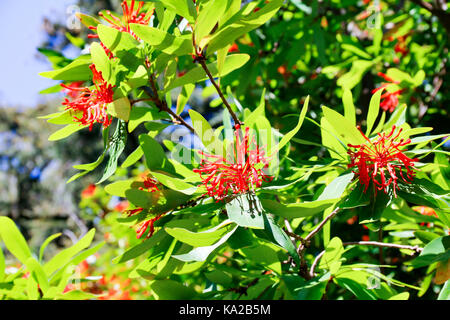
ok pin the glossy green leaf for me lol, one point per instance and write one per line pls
(343, 127)
(77, 70)
(297, 210)
(349, 107)
(288, 136)
(13, 239)
(374, 109)
(246, 211)
(118, 141)
(66, 131)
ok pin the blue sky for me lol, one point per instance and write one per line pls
(21, 33)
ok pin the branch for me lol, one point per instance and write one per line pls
(417, 249)
(162, 105)
(202, 62)
(320, 226)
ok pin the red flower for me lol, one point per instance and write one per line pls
(72, 92)
(88, 191)
(242, 174)
(146, 224)
(130, 15)
(389, 100)
(381, 159)
(400, 46)
(234, 48)
(150, 184)
(92, 103)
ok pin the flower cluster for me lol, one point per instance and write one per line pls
(130, 15)
(240, 175)
(381, 161)
(150, 185)
(91, 103)
(389, 100)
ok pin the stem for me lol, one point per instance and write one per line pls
(162, 105)
(320, 226)
(201, 60)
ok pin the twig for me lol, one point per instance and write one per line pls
(202, 62)
(320, 226)
(162, 105)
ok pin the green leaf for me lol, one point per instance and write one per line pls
(101, 61)
(45, 244)
(118, 141)
(76, 295)
(331, 258)
(196, 74)
(436, 250)
(2, 265)
(184, 8)
(155, 156)
(279, 237)
(163, 41)
(120, 108)
(445, 291)
(343, 127)
(288, 136)
(356, 198)
(374, 109)
(203, 238)
(246, 210)
(88, 21)
(175, 183)
(336, 188)
(205, 132)
(350, 79)
(240, 24)
(141, 248)
(139, 115)
(13, 239)
(64, 256)
(202, 253)
(77, 70)
(184, 96)
(349, 107)
(172, 290)
(208, 17)
(116, 41)
(37, 273)
(66, 131)
(296, 210)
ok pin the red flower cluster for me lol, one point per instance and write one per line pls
(389, 100)
(241, 175)
(382, 158)
(88, 191)
(92, 103)
(150, 185)
(130, 15)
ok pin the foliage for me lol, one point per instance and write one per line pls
(284, 197)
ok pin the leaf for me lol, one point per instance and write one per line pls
(175, 183)
(118, 141)
(445, 291)
(88, 21)
(66, 131)
(116, 41)
(203, 238)
(76, 295)
(184, 8)
(155, 156)
(436, 250)
(13, 239)
(163, 41)
(101, 61)
(77, 70)
(246, 211)
(205, 132)
(120, 108)
(336, 188)
(294, 131)
(356, 198)
(202, 253)
(172, 290)
(139, 115)
(331, 258)
(184, 96)
(343, 127)
(64, 256)
(37, 273)
(350, 79)
(296, 210)
(208, 17)
(2, 265)
(279, 237)
(241, 24)
(196, 74)
(45, 244)
(374, 109)
(349, 107)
